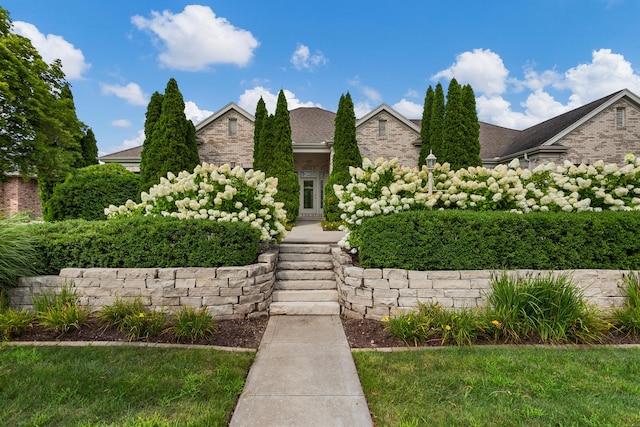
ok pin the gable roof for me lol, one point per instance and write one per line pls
(384, 107)
(311, 125)
(552, 130)
(221, 112)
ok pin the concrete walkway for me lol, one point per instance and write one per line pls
(311, 232)
(303, 375)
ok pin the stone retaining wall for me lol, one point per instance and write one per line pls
(378, 292)
(226, 292)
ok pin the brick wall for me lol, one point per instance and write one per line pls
(216, 146)
(601, 139)
(17, 195)
(398, 141)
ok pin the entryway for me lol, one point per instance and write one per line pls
(311, 193)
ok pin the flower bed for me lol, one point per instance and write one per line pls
(383, 187)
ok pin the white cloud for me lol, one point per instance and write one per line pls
(409, 109)
(136, 141)
(303, 60)
(607, 73)
(194, 113)
(481, 68)
(121, 123)
(372, 94)
(360, 109)
(52, 47)
(249, 100)
(196, 38)
(412, 93)
(132, 93)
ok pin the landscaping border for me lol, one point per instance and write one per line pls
(226, 292)
(378, 292)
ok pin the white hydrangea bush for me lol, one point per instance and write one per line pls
(383, 187)
(217, 194)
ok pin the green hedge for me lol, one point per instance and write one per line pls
(138, 242)
(88, 191)
(462, 240)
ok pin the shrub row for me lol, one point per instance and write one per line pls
(463, 240)
(139, 242)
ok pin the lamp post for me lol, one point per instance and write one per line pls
(431, 164)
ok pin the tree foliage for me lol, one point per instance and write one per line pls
(89, 148)
(425, 128)
(436, 123)
(170, 145)
(259, 126)
(451, 130)
(88, 191)
(277, 135)
(39, 130)
(345, 154)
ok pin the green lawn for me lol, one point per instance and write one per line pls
(119, 386)
(510, 386)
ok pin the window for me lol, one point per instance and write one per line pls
(382, 128)
(620, 117)
(233, 127)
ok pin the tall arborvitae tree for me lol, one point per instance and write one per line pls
(259, 123)
(282, 166)
(425, 128)
(173, 143)
(89, 148)
(436, 124)
(453, 131)
(345, 154)
(148, 156)
(472, 127)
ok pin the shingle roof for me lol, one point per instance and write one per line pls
(311, 125)
(494, 140)
(131, 153)
(537, 135)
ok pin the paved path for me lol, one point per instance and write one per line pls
(303, 375)
(311, 232)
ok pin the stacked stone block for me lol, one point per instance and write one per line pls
(226, 292)
(378, 292)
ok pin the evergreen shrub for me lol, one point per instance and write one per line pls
(144, 242)
(467, 240)
(88, 191)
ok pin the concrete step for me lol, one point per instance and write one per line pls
(290, 256)
(305, 275)
(292, 285)
(305, 265)
(304, 249)
(330, 295)
(304, 308)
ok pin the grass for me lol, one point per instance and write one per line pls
(514, 386)
(119, 386)
(17, 250)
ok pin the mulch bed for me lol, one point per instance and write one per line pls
(245, 333)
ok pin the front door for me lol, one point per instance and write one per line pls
(311, 193)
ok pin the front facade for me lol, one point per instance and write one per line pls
(606, 129)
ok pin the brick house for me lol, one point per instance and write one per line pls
(605, 129)
(18, 194)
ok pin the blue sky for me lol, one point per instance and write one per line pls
(527, 60)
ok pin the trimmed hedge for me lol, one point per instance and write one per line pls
(463, 240)
(140, 242)
(88, 191)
